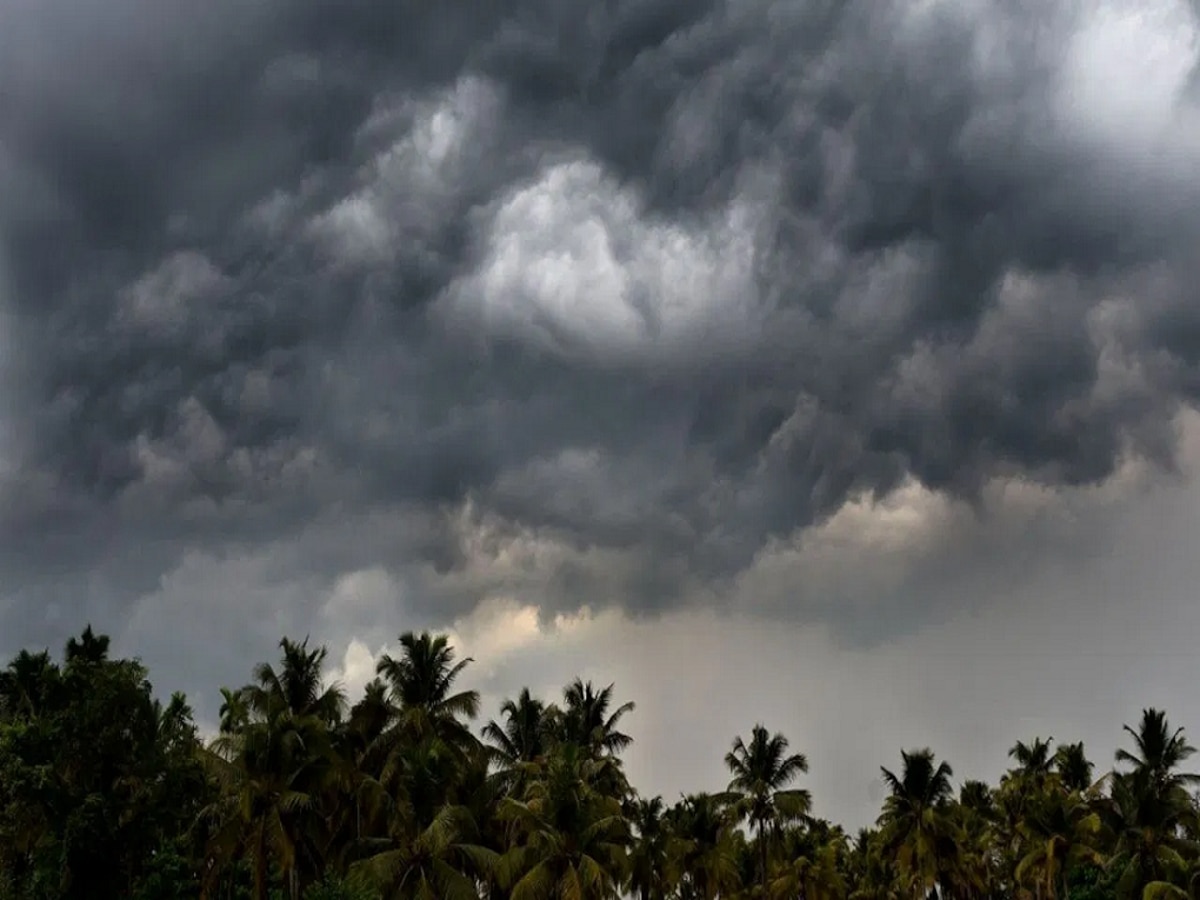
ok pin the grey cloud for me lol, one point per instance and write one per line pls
(653, 285)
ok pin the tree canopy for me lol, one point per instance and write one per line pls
(107, 791)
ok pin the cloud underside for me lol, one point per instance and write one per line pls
(655, 308)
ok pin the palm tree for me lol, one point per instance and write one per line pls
(917, 827)
(703, 854)
(648, 856)
(437, 862)
(88, 649)
(297, 688)
(1148, 849)
(585, 719)
(1158, 752)
(525, 735)
(762, 770)
(235, 710)
(569, 835)
(422, 688)
(431, 848)
(274, 760)
(871, 871)
(1059, 831)
(1149, 804)
(1034, 758)
(270, 774)
(812, 869)
(370, 716)
(1074, 768)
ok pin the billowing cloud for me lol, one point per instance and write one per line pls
(343, 318)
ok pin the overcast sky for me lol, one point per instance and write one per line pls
(829, 364)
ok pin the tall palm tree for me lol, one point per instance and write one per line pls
(704, 853)
(370, 716)
(1059, 832)
(977, 797)
(270, 774)
(1073, 766)
(89, 648)
(586, 721)
(422, 680)
(1148, 850)
(275, 760)
(811, 868)
(570, 837)
(1148, 805)
(431, 847)
(297, 688)
(870, 869)
(235, 710)
(762, 770)
(1033, 759)
(648, 855)
(917, 827)
(1158, 752)
(524, 736)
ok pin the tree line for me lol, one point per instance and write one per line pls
(107, 792)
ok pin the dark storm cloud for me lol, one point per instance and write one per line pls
(262, 280)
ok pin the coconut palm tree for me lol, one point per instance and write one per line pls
(88, 648)
(1059, 832)
(1158, 752)
(274, 761)
(586, 721)
(431, 847)
(1074, 768)
(1149, 804)
(814, 870)
(569, 837)
(1033, 759)
(762, 770)
(649, 853)
(916, 823)
(421, 682)
(704, 852)
(270, 774)
(870, 870)
(297, 688)
(235, 710)
(524, 736)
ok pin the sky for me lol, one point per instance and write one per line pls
(832, 365)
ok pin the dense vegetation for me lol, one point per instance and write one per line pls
(106, 792)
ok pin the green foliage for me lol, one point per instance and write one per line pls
(1093, 882)
(94, 774)
(106, 792)
(168, 874)
(333, 887)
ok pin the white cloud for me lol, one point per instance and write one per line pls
(356, 669)
(1125, 72)
(405, 190)
(575, 265)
